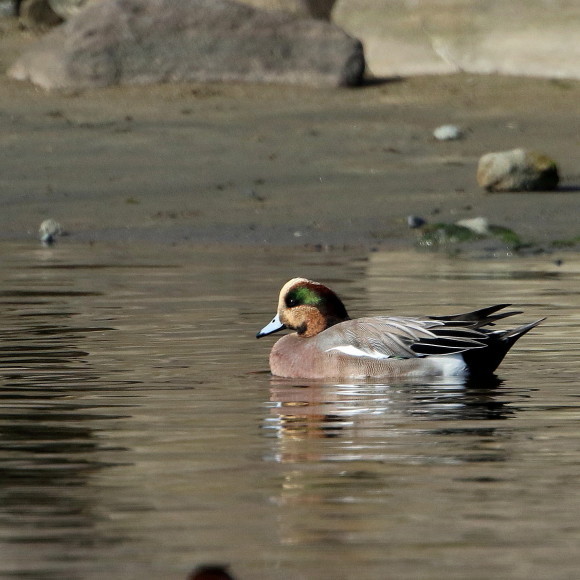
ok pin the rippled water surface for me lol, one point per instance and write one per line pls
(140, 435)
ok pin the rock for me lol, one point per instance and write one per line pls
(469, 233)
(478, 225)
(448, 133)
(415, 221)
(313, 8)
(67, 8)
(37, 15)
(417, 37)
(153, 41)
(210, 572)
(517, 170)
(48, 231)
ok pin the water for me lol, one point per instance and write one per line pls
(140, 435)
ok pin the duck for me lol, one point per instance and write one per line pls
(328, 344)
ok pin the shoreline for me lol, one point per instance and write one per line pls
(285, 166)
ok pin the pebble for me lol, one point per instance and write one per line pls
(48, 230)
(448, 133)
(415, 221)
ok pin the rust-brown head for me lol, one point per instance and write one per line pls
(307, 307)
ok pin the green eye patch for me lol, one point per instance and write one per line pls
(303, 295)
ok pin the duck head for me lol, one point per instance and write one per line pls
(307, 307)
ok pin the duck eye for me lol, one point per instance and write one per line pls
(290, 302)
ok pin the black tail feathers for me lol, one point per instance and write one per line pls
(484, 361)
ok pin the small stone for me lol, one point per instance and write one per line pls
(448, 133)
(415, 221)
(48, 231)
(517, 170)
(478, 225)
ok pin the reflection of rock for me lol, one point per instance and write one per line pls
(137, 42)
(517, 170)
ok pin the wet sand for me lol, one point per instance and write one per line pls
(261, 165)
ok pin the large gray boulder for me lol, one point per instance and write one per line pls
(152, 41)
(67, 8)
(315, 8)
(516, 37)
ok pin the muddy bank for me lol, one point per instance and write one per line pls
(251, 164)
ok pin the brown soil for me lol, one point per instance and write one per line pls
(278, 165)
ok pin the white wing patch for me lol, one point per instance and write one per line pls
(354, 351)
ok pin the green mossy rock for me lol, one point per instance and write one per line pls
(517, 170)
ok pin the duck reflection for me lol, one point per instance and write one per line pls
(364, 462)
(363, 414)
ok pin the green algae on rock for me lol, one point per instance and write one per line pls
(446, 235)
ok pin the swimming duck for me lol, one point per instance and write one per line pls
(327, 343)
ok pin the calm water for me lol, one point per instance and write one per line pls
(140, 435)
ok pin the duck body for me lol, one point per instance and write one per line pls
(328, 344)
(328, 356)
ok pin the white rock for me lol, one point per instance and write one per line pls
(478, 225)
(517, 170)
(448, 133)
(48, 230)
